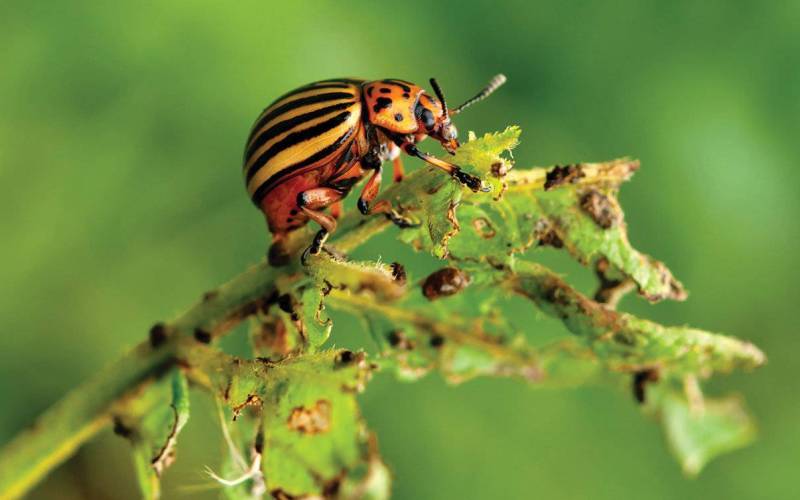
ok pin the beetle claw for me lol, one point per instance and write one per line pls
(471, 181)
(315, 247)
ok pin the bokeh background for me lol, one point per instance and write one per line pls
(121, 133)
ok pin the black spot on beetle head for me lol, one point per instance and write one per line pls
(381, 103)
(398, 117)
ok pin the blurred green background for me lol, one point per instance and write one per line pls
(121, 134)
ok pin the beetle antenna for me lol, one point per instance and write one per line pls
(440, 95)
(493, 85)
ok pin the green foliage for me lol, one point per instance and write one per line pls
(290, 415)
(698, 432)
(313, 432)
(152, 422)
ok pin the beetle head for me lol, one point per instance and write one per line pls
(433, 116)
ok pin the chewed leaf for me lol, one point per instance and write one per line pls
(437, 208)
(697, 435)
(415, 340)
(438, 219)
(485, 157)
(152, 423)
(316, 324)
(385, 282)
(574, 208)
(589, 222)
(313, 431)
(240, 474)
(370, 481)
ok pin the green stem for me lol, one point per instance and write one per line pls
(86, 410)
(60, 431)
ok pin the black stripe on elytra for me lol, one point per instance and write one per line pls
(351, 81)
(303, 101)
(316, 85)
(296, 138)
(268, 184)
(289, 124)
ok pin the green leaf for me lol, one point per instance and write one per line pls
(459, 336)
(370, 481)
(697, 435)
(241, 474)
(152, 422)
(316, 324)
(580, 214)
(313, 432)
(437, 208)
(438, 222)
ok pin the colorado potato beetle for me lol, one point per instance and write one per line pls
(310, 146)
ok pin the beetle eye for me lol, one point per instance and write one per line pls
(425, 115)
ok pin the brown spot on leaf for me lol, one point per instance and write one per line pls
(500, 168)
(121, 429)
(252, 400)
(559, 175)
(610, 290)
(209, 296)
(625, 338)
(484, 228)
(312, 420)
(279, 494)
(444, 282)
(640, 381)
(600, 209)
(202, 336)
(399, 340)
(399, 272)
(345, 357)
(272, 337)
(158, 335)
(546, 235)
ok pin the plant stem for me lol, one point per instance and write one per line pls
(85, 411)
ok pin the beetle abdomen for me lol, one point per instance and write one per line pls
(301, 131)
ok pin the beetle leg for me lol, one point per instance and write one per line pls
(311, 203)
(336, 210)
(369, 193)
(471, 181)
(397, 163)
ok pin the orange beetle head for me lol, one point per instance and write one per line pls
(433, 116)
(433, 120)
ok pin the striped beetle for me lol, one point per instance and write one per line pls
(309, 147)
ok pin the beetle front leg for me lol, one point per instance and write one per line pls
(397, 163)
(471, 181)
(311, 203)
